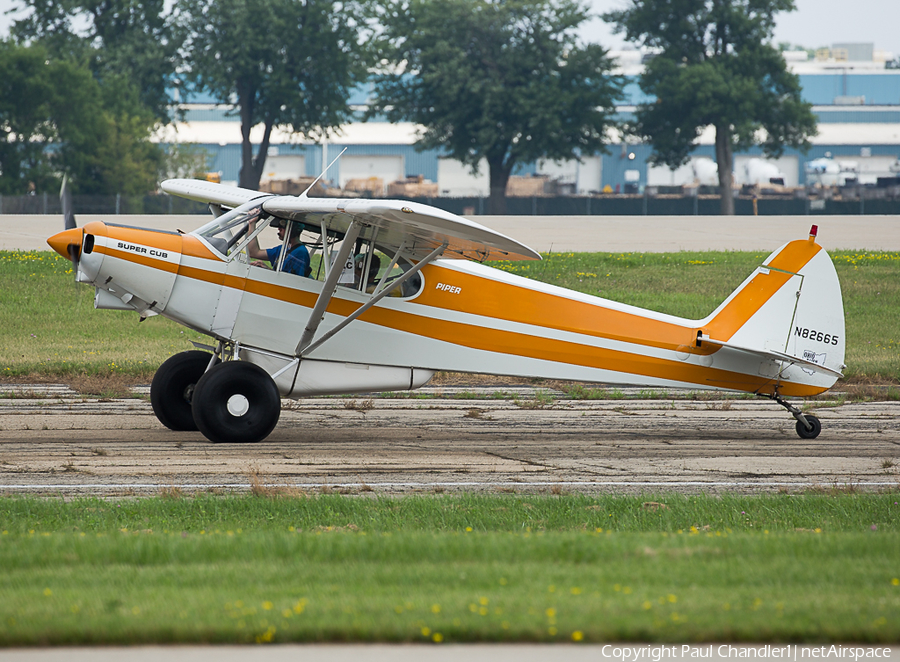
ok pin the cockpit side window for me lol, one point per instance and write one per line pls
(410, 287)
(301, 248)
(375, 268)
(289, 253)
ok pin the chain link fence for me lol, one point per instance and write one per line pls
(100, 204)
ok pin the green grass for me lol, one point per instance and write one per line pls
(808, 568)
(49, 327)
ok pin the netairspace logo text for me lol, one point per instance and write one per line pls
(792, 652)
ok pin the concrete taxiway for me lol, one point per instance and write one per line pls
(570, 233)
(528, 441)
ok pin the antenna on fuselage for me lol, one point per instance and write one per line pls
(303, 195)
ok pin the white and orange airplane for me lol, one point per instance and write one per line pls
(431, 304)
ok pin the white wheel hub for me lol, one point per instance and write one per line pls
(238, 405)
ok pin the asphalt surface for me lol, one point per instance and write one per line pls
(53, 441)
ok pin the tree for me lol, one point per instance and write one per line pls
(55, 118)
(286, 63)
(504, 82)
(122, 158)
(127, 43)
(125, 56)
(187, 160)
(715, 68)
(45, 104)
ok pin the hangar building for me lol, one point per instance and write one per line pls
(856, 100)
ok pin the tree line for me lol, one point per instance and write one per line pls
(84, 84)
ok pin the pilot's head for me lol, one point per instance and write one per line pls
(359, 263)
(281, 224)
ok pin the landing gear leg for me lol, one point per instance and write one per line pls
(808, 426)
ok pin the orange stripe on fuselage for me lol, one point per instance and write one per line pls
(515, 303)
(187, 245)
(573, 353)
(135, 236)
(128, 256)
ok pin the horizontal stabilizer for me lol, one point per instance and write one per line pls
(773, 355)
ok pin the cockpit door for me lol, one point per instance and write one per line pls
(230, 296)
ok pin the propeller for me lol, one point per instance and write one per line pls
(65, 199)
(68, 242)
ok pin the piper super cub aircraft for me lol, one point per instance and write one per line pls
(397, 290)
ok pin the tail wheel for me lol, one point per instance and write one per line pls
(173, 386)
(236, 402)
(812, 432)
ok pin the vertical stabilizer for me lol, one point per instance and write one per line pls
(790, 307)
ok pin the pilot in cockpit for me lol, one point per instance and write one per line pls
(297, 259)
(359, 263)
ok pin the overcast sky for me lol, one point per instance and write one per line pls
(815, 23)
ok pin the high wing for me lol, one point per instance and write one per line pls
(418, 228)
(210, 192)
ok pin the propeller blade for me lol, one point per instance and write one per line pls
(65, 198)
(74, 251)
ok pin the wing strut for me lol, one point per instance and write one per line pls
(318, 311)
(376, 298)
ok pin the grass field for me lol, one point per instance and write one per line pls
(782, 568)
(271, 569)
(50, 330)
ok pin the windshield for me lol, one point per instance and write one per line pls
(227, 230)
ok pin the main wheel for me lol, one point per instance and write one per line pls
(809, 433)
(236, 402)
(173, 387)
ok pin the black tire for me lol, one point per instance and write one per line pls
(173, 386)
(809, 433)
(236, 403)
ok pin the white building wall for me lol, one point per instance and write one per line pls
(284, 166)
(456, 180)
(788, 165)
(661, 175)
(388, 167)
(585, 175)
(870, 168)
